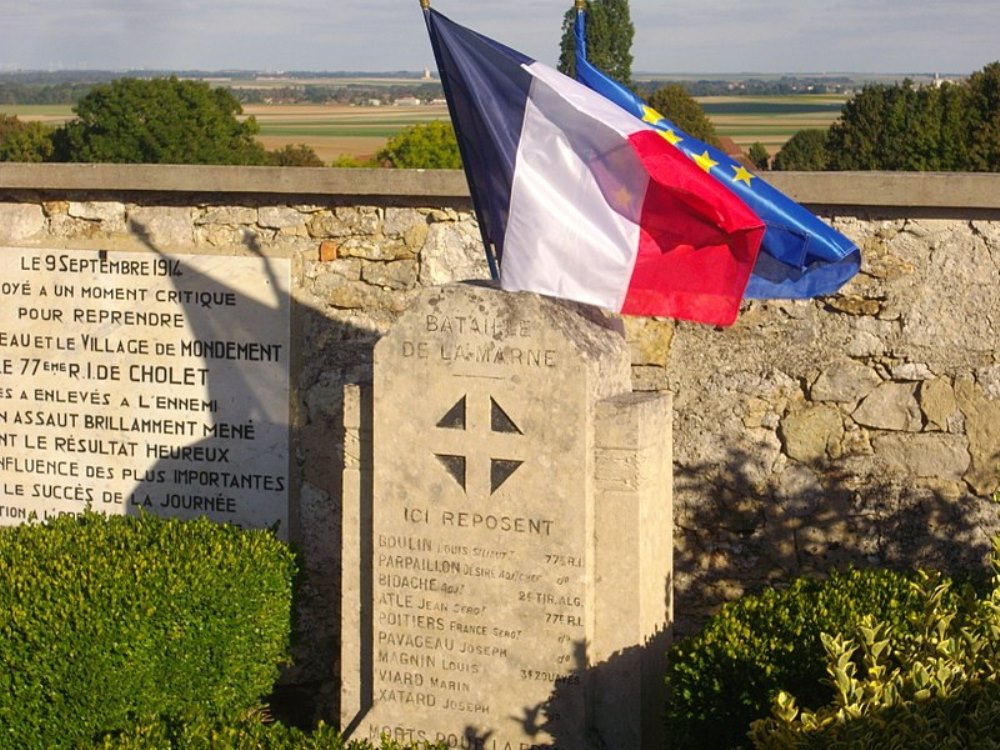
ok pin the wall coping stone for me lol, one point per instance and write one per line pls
(859, 189)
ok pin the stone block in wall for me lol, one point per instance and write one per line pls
(225, 235)
(813, 434)
(939, 406)
(933, 455)
(982, 427)
(914, 371)
(857, 441)
(327, 251)
(374, 248)
(400, 274)
(360, 220)
(20, 221)
(359, 295)
(452, 252)
(341, 268)
(281, 217)
(855, 304)
(163, 226)
(869, 337)
(70, 228)
(885, 262)
(327, 225)
(407, 224)
(845, 381)
(891, 406)
(52, 208)
(648, 339)
(110, 214)
(230, 215)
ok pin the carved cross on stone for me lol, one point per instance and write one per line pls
(475, 433)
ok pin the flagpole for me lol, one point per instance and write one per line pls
(578, 29)
(488, 248)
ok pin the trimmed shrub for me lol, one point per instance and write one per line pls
(109, 622)
(933, 687)
(724, 677)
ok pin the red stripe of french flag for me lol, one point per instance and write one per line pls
(697, 243)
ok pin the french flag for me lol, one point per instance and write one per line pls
(578, 199)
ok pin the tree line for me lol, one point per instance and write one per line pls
(173, 121)
(954, 127)
(149, 121)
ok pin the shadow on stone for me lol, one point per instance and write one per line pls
(745, 534)
(333, 353)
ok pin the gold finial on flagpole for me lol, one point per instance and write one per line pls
(425, 4)
(581, 4)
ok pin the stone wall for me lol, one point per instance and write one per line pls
(859, 429)
(862, 428)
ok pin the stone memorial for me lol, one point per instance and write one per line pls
(506, 531)
(141, 380)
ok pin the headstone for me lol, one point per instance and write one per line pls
(134, 380)
(507, 531)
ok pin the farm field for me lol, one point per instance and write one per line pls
(335, 129)
(772, 120)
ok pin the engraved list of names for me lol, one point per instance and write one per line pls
(152, 381)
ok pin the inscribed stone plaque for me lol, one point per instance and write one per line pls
(132, 380)
(479, 575)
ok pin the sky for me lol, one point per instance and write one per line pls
(678, 36)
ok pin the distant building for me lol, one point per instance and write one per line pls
(939, 81)
(407, 101)
(732, 149)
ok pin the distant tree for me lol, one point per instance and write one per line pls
(984, 119)
(758, 155)
(677, 105)
(609, 39)
(952, 127)
(805, 151)
(299, 155)
(956, 143)
(24, 141)
(159, 121)
(428, 145)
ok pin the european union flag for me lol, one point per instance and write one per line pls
(800, 256)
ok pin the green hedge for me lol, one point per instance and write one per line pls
(107, 623)
(724, 677)
(933, 687)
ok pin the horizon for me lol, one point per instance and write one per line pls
(414, 73)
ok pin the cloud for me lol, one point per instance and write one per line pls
(679, 35)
